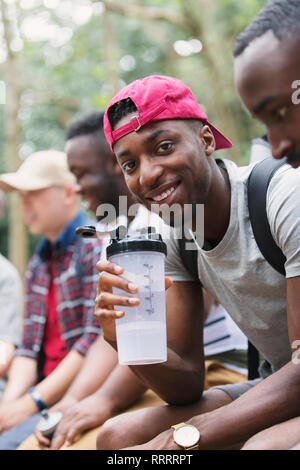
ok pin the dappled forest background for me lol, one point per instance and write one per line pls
(60, 59)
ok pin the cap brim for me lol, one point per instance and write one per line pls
(221, 141)
(13, 181)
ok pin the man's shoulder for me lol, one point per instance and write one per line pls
(284, 187)
(286, 175)
(236, 173)
(283, 195)
(8, 270)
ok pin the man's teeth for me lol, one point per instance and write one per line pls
(163, 195)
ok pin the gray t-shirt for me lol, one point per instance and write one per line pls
(10, 307)
(220, 333)
(236, 273)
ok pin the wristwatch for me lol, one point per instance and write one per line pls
(186, 436)
(36, 396)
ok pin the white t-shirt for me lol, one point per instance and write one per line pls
(260, 149)
(236, 273)
(11, 299)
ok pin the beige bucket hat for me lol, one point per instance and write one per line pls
(39, 170)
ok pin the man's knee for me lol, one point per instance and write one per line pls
(108, 437)
(116, 433)
(261, 444)
(256, 446)
(123, 430)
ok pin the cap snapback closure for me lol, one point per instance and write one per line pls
(136, 125)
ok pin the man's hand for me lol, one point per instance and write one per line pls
(63, 405)
(105, 301)
(110, 276)
(15, 412)
(86, 414)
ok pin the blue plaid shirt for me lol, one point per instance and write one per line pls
(75, 276)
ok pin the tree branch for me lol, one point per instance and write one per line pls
(6, 30)
(145, 13)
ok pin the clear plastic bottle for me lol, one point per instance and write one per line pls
(141, 333)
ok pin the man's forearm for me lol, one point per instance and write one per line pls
(121, 389)
(177, 382)
(54, 386)
(274, 400)
(98, 364)
(22, 375)
(7, 350)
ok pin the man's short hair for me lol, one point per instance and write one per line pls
(88, 125)
(282, 17)
(119, 110)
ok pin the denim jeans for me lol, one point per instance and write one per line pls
(11, 439)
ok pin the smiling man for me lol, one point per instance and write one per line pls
(92, 163)
(267, 75)
(164, 145)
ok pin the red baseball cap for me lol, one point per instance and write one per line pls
(157, 98)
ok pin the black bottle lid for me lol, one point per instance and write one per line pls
(146, 240)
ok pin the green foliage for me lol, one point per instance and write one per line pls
(65, 74)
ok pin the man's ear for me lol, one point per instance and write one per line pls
(70, 193)
(208, 140)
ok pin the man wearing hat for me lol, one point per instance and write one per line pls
(99, 179)
(164, 144)
(61, 278)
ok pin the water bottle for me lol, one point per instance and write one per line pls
(141, 333)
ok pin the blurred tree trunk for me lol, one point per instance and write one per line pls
(111, 53)
(17, 243)
(199, 17)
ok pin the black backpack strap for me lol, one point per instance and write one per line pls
(189, 258)
(253, 361)
(258, 183)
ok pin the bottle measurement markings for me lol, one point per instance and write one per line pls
(150, 295)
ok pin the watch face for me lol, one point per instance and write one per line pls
(187, 435)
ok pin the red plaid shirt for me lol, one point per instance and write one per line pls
(76, 279)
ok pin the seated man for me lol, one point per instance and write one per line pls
(61, 278)
(11, 297)
(270, 91)
(164, 144)
(99, 179)
(270, 88)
